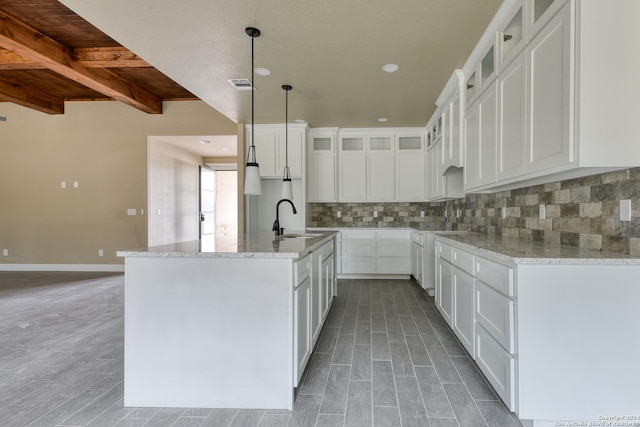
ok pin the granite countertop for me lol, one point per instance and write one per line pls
(519, 251)
(254, 245)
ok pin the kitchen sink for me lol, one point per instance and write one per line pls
(301, 236)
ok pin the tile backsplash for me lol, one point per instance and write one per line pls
(582, 212)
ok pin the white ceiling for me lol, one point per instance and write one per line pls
(330, 51)
(204, 145)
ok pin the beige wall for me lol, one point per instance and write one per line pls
(103, 146)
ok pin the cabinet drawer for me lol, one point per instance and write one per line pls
(418, 238)
(495, 312)
(463, 260)
(301, 270)
(358, 248)
(394, 248)
(445, 251)
(498, 276)
(359, 265)
(357, 234)
(498, 366)
(394, 266)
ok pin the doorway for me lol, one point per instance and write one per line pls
(218, 200)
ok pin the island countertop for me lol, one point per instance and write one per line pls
(253, 245)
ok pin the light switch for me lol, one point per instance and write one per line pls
(75, 184)
(131, 212)
(100, 252)
(157, 211)
(339, 214)
(5, 252)
(542, 211)
(375, 214)
(458, 213)
(625, 210)
(422, 214)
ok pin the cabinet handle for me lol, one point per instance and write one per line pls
(469, 86)
(507, 37)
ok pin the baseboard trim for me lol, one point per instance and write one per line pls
(373, 276)
(63, 267)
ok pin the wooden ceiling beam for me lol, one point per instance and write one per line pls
(108, 57)
(31, 98)
(36, 47)
(12, 61)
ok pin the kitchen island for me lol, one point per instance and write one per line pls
(224, 322)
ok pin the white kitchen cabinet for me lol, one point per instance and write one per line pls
(410, 167)
(302, 327)
(463, 323)
(452, 134)
(444, 289)
(381, 174)
(434, 179)
(371, 252)
(481, 140)
(270, 142)
(352, 177)
(549, 90)
(512, 119)
(316, 295)
(321, 169)
(417, 256)
(511, 35)
(498, 366)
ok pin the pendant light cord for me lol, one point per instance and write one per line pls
(253, 89)
(286, 129)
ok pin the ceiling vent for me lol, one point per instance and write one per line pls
(241, 84)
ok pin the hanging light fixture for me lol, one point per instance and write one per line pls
(252, 183)
(287, 187)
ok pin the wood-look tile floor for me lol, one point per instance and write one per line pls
(385, 358)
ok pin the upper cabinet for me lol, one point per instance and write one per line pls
(380, 165)
(563, 98)
(321, 166)
(273, 148)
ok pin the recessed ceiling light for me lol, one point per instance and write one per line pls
(263, 71)
(205, 141)
(390, 68)
(300, 121)
(383, 119)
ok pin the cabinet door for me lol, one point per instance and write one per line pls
(455, 150)
(463, 312)
(321, 176)
(266, 141)
(380, 176)
(550, 62)
(410, 177)
(301, 327)
(294, 148)
(471, 149)
(512, 136)
(316, 296)
(488, 131)
(327, 284)
(352, 178)
(445, 302)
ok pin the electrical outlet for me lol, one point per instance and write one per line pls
(504, 213)
(5, 252)
(422, 214)
(625, 210)
(141, 211)
(339, 214)
(375, 214)
(157, 211)
(131, 212)
(458, 213)
(100, 252)
(445, 213)
(542, 211)
(63, 184)
(75, 184)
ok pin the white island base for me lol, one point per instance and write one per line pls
(208, 333)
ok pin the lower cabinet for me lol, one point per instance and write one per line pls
(302, 328)
(315, 285)
(445, 290)
(463, 314)
(375, 252)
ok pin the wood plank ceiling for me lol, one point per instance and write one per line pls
(49, 55)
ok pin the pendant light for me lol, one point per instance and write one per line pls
(287, 187)
(252, 183)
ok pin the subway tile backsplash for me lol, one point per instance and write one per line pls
(582, 212)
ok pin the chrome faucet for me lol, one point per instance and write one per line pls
(276, 225)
